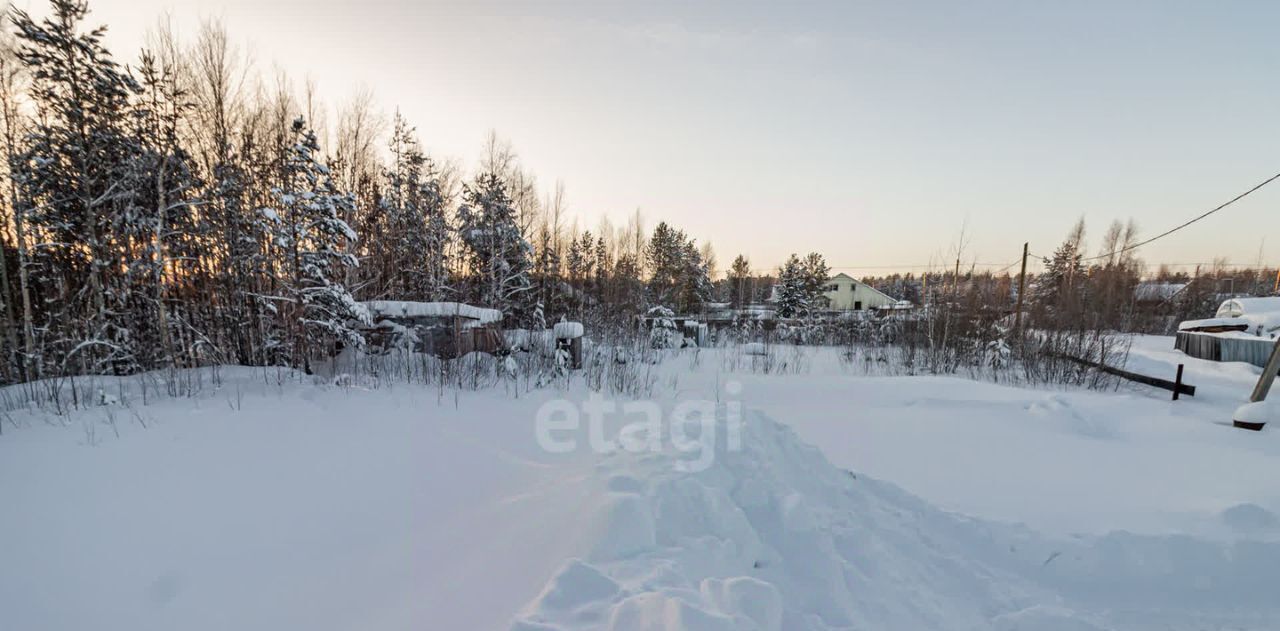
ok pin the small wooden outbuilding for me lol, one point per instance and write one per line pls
(569, 338)
(444, 329)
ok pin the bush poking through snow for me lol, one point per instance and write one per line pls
(663, 334)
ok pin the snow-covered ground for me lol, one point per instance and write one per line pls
(1063, 462)
(830, 501)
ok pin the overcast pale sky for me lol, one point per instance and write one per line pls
(870, 132)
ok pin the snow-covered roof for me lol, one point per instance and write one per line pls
(1259, 312)
(899, 305)
(1241, 306)
(568, 330)
(1210, 323)
(1157, 291)
(409, 309)
(887, 296)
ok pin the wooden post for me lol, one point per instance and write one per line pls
(1022, 290)
(457, 336)
(1177, 383)
(1268, 375)
(1260, 390)
(575, 353)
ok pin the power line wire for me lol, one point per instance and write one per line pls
(1015, 262)
(1090, 258)
(1184, 224)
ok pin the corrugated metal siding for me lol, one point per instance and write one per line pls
(1225, 349)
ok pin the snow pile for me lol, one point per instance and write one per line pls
(408, 309)
(774, 537)
(1236, 307)
(1261, 313)
(771, 537)
(1258, 412)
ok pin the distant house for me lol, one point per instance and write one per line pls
(1156, 293)
(844, 293)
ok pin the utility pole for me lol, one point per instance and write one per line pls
(955, 288)
(1022, 290)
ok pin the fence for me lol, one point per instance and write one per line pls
(1176, 386)
(1220, 348)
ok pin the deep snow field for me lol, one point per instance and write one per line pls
(829, 501)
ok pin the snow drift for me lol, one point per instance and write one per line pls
(773, 537)
(271, 502)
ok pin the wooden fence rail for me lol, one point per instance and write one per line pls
(1177, 387)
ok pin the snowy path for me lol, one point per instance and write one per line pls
(1063, 462)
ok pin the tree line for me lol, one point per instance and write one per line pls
(185, 210)
(1112, 290)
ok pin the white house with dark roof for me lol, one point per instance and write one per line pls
(846, 293)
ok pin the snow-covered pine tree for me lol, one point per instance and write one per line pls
(816, 277)
(586, 246)
(739, 282)
(1057, 293)
(628, 288)
(662, 331)
(603, 263)
(403, 247)
(694, 280)
(546, 273)
(662, 254)
(576, 266)
(498, 255)
(792, 295)
(434, 200)
(318, 311)
(72, 182)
